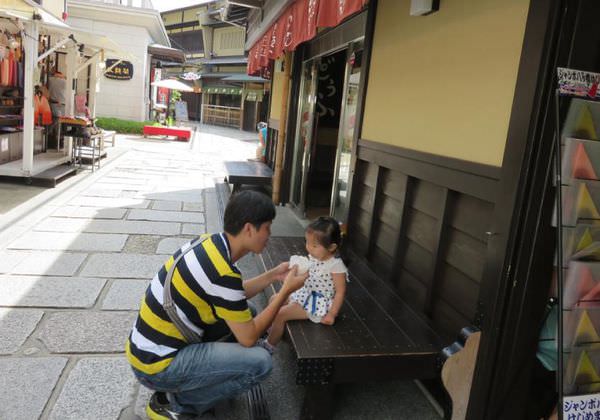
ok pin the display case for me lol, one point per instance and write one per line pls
(578, 261)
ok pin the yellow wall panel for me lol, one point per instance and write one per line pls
(276, 94)
(444, 83)
(191, 15)
(229, 41)
(171, 18)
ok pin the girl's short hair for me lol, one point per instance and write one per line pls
(327, 230)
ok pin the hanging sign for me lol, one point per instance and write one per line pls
(122, 71)
(190, 76)
(578, 83)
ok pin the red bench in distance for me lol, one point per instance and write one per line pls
(181, 133)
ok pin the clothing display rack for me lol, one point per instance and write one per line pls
(577, 165)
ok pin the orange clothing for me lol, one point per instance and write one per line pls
(42, 108)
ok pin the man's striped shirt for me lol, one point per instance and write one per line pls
(205, 288)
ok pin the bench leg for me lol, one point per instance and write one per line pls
(318, 402)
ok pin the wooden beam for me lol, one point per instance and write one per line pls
(440, 244)
(287, 62)
(374, 209)
(252, 4)
(398, 246)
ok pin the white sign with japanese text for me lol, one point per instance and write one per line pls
(581, 407)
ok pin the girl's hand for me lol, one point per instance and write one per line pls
(280, 271)
(328, 319)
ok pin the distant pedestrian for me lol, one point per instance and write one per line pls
(202, 349)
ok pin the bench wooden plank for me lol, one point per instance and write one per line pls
(374, 320)
(248, 173)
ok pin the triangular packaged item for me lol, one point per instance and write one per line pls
(582, 166)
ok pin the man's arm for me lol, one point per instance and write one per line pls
(247, 333)
(256, 285)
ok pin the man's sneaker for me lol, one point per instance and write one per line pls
(158, 408)
(262, 342)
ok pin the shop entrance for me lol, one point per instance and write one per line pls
(324, 133)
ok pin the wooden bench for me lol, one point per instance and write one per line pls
(376, 337)
(247, 173)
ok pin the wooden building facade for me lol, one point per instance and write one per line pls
(448, 190)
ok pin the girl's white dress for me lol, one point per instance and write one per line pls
(316, 296)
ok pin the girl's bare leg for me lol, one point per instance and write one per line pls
(289, 312)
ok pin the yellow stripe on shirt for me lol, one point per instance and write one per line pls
(216, 258)
(201, 306)
(149, 368)
(159, 324)
(169, 263)
(237, 316)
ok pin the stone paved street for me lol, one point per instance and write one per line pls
(75, 261)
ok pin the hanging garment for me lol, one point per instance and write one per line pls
(21, 75)
(5, 71)
(41, 109)
(14, 71)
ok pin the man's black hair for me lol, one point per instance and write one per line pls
(247, 207)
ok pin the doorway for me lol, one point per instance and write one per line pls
(321, 170)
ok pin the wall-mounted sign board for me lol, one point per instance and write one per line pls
(122, 71)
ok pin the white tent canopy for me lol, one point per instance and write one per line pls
(173, 84)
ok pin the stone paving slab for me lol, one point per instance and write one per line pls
(101, 192)
(110, 179)
(123, 266)
(170, 245)
(188, 196)
(140, 227)
(194, 206)
(167, 205)
(90, 212)
(54, 292)
(10, 259)
(49, 263)
(27, 384)
(125, 295)
(166, 216)
(86, 331)
(193, 229)
(70, 241)
(15, 326)
(124, 185)
(141, 400)
(62, 224)
(142, 244)
(97, 388)
(129, 203)
(131, 176)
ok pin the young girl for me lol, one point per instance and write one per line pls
(322, 295)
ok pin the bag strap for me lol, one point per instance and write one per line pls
(190, 336)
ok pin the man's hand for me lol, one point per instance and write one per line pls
(328, 319)
(280, 271)
(293, 281)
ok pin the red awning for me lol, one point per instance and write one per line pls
(298, 24)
